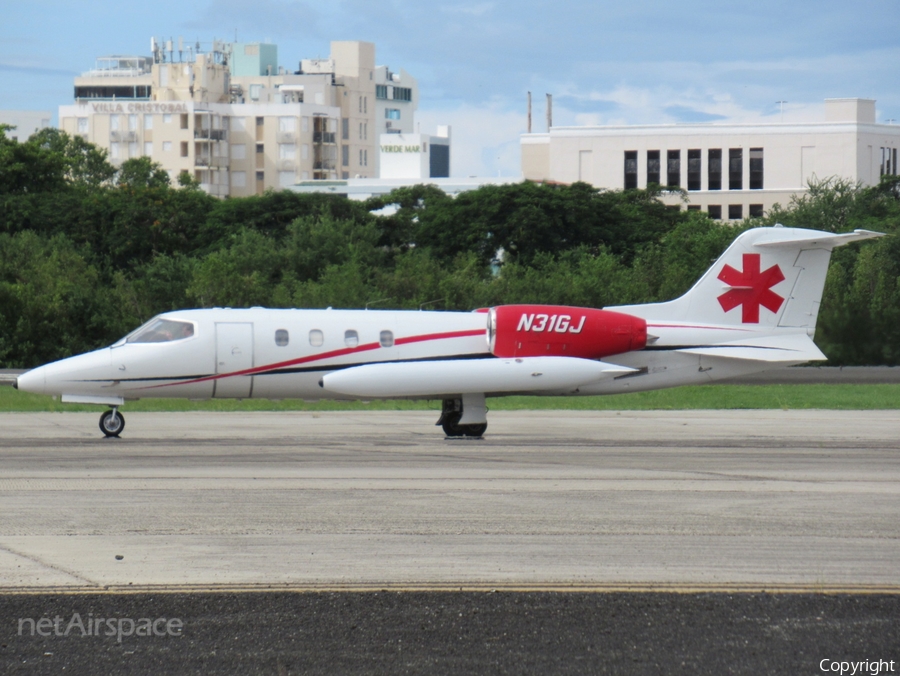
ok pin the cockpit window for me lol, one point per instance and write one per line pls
(161, 331)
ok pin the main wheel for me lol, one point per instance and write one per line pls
(112, 423)
(475, 430)
(451, 425)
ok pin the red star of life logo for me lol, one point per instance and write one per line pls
(751, 288)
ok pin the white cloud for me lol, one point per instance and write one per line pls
(484, 138)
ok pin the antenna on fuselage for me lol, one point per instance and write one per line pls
(380, 300)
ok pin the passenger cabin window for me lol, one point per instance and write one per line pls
(351, 338)
(316, 338)
(387, 339)
(282, 338)
(162, 331)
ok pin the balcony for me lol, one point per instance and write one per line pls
(123, 136)
(286, 137)
(324, 137)
(210, 134)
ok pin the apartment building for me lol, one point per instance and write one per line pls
(237, 121)
(730, 171)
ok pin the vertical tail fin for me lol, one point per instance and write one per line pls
(768, 278)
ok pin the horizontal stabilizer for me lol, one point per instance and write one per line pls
(813, 238)
(470, 376)
(791, 348)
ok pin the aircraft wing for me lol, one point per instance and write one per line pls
(794, 347)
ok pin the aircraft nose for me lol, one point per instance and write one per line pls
(34, 381)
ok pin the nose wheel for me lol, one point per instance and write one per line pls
(112, 423)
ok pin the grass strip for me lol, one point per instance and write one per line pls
(835, 397)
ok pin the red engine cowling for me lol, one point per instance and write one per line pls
(561, 331)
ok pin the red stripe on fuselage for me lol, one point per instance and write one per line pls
(325, 355)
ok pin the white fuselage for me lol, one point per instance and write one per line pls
(276, 354)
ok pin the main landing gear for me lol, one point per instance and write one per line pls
(465, 417)
(112, 422)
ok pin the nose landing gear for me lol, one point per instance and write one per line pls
(112, 422)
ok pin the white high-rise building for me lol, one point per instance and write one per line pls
(236, 121)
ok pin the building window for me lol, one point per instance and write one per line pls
(381, 92)
(260, 176)
(715, 211)
(756, 169)
(402, 94)
(345, 156)
(392, 113)
(82, 125)
(735, 169)
(652, 167)
(693, 168)
(260, 148)
(287, 151)
(148, 122)
(114, 151)
(693, 207)
(282, 338)
(132, 122)
(756, 211)
(673, 168)
(238, 151)
(316, 338)
(167, 118)
(184, 120)
(714, 169)
(260, 121)
(238, 179)
(167, 146)
(386, 339)
(255, 91)
(735, 212)
(345, 129)
(114, 124)
(630, 169)
(351, 338)
(184, 148)
(888, 161)
(148, 149)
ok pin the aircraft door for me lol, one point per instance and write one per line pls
(234, 352)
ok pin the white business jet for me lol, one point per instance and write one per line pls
(753, 310)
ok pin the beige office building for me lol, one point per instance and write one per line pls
(730, 171)
(235, 120)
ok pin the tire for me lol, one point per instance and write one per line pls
(451, 425)
(112, 423)
(477, 430)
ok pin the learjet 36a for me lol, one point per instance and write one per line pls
(753, 310)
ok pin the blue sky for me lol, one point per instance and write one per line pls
(634, 61)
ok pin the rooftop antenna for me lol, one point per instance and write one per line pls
(549, 112)
(781, 104)
(529, 112)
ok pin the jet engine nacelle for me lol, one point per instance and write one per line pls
(561, 331)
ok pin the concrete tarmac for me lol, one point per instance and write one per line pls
(686, 500)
